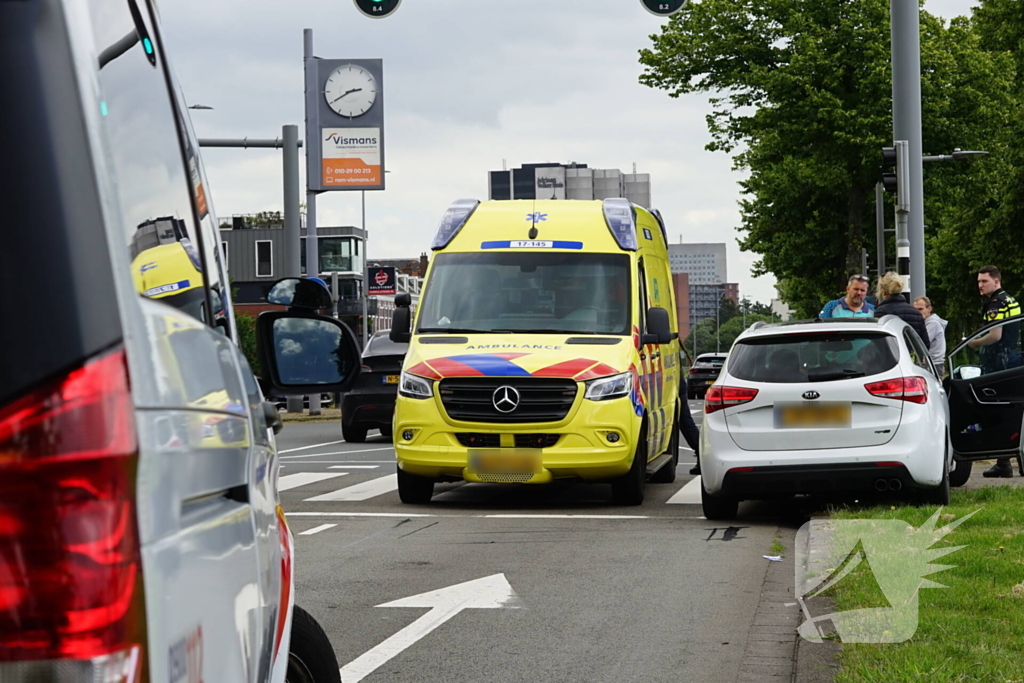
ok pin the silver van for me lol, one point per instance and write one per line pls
(141, 535)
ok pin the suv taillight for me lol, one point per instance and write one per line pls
(913, 389)
(719, 397)
(70, 574)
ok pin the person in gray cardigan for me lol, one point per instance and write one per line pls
(936, 332)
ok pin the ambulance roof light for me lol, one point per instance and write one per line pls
(620, 216)
(452, 221)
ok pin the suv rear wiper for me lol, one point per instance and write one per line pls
(829, 376)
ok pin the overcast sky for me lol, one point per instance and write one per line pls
(467, 85)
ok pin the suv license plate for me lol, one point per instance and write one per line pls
(813, 415)
(505, 461)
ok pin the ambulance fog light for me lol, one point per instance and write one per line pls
(407, 435)
(613, 437)
(607, 388)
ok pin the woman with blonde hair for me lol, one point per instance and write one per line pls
(892, 302)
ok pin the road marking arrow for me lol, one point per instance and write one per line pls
(489, 592)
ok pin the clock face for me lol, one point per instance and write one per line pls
(350, 90)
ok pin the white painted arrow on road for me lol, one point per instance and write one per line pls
(490, 592)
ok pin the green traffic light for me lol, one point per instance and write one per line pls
(147, 46)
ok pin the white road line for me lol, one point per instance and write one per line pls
(294, 481)
(335, 462)
(566, 516)
(306, 448)
(322, 455)
(353, 467)
(318, 529)
(418, 515)
(688, 495)
(361, 491)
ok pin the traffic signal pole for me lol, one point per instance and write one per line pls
(905, 16)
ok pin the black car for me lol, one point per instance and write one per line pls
(371, 402)
(703, 374)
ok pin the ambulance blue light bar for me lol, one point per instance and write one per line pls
(452, 221)
(621, 220)
(661, 223)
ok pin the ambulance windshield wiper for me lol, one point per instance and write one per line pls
(451, 330)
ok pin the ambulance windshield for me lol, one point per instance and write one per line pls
(527, 292)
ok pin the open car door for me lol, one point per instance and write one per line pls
(986, 394)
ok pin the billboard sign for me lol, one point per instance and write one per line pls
(550, 182)
(381, 281)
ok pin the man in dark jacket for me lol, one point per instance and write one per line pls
(892, 302)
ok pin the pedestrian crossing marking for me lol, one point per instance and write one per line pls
(294, 481)
(361, 491)
(688, 495)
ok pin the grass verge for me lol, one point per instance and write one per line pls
(971, 631)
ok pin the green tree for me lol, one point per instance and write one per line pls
(246, 325)
(802, 100)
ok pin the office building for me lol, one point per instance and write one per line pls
(704, 262)
(569, 181)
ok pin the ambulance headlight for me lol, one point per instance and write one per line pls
(606, 388)
(412, 386)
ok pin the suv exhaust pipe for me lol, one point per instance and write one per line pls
(881, 485)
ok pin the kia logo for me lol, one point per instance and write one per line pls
(505, 399)
(811, 395)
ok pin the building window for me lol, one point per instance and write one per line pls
(264, 258)
(224, 253)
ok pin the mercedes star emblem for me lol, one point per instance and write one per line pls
(505, 399)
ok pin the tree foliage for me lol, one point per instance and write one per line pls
(246, 325)
(802, 91)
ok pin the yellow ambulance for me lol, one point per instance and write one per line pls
(545, 346)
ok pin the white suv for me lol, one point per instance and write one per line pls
(825, 406)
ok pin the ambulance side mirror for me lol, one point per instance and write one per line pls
(658, 329)
(401, 320)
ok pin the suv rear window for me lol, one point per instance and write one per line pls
(816, 357)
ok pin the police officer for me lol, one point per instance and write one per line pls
(999, 348)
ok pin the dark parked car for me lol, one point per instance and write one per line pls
(371, 402)
(703, 374)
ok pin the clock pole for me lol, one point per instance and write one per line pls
(312, 247)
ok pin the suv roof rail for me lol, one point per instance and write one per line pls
(759, 324)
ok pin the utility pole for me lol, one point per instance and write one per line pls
(366, 294)
(312, 248)
(905, 19)
(288, 142)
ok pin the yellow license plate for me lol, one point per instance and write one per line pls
(391, 379)
(505, 461)
(814, 415)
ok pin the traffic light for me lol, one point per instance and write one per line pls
(663, 8)
(890, 180)
(378, 9)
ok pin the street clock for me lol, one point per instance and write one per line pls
(378, 9)
(663, 8)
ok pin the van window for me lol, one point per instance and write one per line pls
(818, 357)
(528, 292)
(144, 151)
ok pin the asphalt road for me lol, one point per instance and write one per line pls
(570, 587)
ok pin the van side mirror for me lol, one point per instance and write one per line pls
(658, 330)
(303, 353)
(401, 323)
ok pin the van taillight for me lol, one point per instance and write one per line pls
(913, 389)
(719, 397)
(70, 581)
